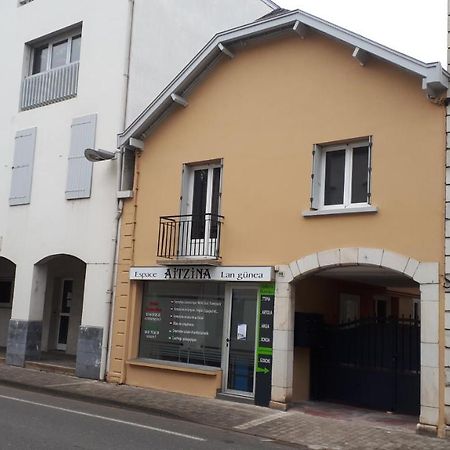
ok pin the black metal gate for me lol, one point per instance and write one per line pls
(371, 362)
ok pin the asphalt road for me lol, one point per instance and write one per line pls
(30, 420)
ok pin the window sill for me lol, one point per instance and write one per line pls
(335, 211)
(124, 194)
(174, 365)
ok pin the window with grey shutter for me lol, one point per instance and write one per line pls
(22, 170)
(79, 174)
(315, 177)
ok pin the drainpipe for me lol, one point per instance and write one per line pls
(444, 428)
(106, 345)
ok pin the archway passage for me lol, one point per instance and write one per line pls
(357, 338)
(63, 304)
(7, 276)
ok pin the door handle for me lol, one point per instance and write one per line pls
(227, 340)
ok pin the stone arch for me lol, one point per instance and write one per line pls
(420, 272)
(425, 274)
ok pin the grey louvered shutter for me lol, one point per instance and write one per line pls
(369, 176)
(22, 170)
(79, 173)
(315, 177)
(185, 175)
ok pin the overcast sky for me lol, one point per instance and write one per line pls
(415, 27)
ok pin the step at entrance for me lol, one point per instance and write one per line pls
(50, 367)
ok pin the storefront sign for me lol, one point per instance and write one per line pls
(202, 273)
(264, 349)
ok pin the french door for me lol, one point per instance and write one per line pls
(203, 208)
(239, 361)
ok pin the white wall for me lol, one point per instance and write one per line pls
(51, 224)
(168, 34)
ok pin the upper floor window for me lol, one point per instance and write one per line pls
(202, 199)
(341, 175)
(196, 232)
(56, 54)
(52, 75)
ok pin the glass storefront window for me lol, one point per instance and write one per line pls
(182, 321)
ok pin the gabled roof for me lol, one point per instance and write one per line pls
(434, 78)
(273, 13)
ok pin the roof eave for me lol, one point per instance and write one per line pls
(271, 4)
(435, 79)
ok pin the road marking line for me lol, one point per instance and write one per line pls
(96, 416)
(68, 384)
(260, 421)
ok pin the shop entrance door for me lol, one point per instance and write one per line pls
(241, 319)
(65, 304)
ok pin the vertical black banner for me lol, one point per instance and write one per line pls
(264, 350)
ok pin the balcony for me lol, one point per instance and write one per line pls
(190, 238)
(50, 87)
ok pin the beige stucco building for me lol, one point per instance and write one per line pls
(285, 239)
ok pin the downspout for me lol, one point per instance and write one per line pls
(106, 345)
(443, 427)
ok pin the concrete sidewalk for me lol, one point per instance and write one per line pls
(297, 426)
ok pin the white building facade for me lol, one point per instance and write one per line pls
(76, 73)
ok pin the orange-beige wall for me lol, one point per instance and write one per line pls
(261, 113)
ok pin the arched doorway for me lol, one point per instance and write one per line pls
(357, 338)
(7, 276)
(424, 274)
(63, 304)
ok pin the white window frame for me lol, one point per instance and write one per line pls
(187, 203)
(49, 43)
(188, 184)
(348, 147)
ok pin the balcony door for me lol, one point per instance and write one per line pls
(200, 233)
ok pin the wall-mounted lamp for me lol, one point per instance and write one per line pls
(94, 155)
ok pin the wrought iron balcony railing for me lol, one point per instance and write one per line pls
(190, 236)
(49, 87)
